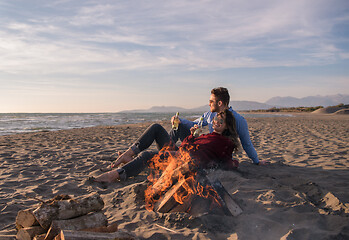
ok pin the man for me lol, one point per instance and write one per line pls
(219, 101)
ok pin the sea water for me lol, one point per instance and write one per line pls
(12, 123)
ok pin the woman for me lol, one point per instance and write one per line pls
(208, 150)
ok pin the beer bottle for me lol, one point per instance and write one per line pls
(198, 131)
(175, 122)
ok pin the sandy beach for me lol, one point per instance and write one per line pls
(302, 194)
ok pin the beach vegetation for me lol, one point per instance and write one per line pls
(298, 109)
(289, 109)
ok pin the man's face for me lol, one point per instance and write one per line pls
(214, 104)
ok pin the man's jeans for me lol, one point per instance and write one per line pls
(154, 133)
(181, 133)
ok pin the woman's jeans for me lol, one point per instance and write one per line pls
(154, 133)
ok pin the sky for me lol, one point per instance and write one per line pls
(109, 56)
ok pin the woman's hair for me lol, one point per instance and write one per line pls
(230, 131)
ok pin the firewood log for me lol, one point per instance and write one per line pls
(228, 202)
(217, 197)
(81, 235)
(29, 232)
(92, 220)
(25, 218)
(113, 227)
(173, 176)
(66, 209)
(167, 202)
(40, 237)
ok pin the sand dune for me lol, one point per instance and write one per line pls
(302, 194)
(342, 111)
(333, 110)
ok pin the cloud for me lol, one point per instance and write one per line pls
(84, 37)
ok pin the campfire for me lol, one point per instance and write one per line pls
(177, 184)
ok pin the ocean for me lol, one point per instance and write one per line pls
(12, 123)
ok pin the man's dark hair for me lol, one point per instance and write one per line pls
(221, 94)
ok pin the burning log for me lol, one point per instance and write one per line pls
(66, 209)
(81, 235)
(184, 187)
(84, 222)
(198, 195)
(170, 176)
(29, 232)
(168, 202)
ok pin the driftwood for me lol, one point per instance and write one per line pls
(113, 227)
(29, 232)
(67, 209)
(25, 218)
(82, 235)
(40, 237)
(92, 220)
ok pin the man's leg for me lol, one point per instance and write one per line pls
(154, 133)
(131, 169)
(134, 167)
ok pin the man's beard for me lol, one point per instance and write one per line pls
(214, 109)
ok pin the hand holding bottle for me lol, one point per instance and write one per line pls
(198, 130)
(193, 129)
(175, 121)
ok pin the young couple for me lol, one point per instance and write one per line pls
(209, 150)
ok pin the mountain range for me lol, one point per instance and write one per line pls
(310, 101)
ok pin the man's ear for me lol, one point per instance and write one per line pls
(220, 103)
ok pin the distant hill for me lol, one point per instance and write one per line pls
(159, 109)
(279, 102)
(166, 109)
(311, 101)
(249, 105)
(237, 105)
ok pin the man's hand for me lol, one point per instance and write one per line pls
(172, 119)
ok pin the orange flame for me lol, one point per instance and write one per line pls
(171, 167)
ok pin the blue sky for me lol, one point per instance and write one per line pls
(108, 56)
